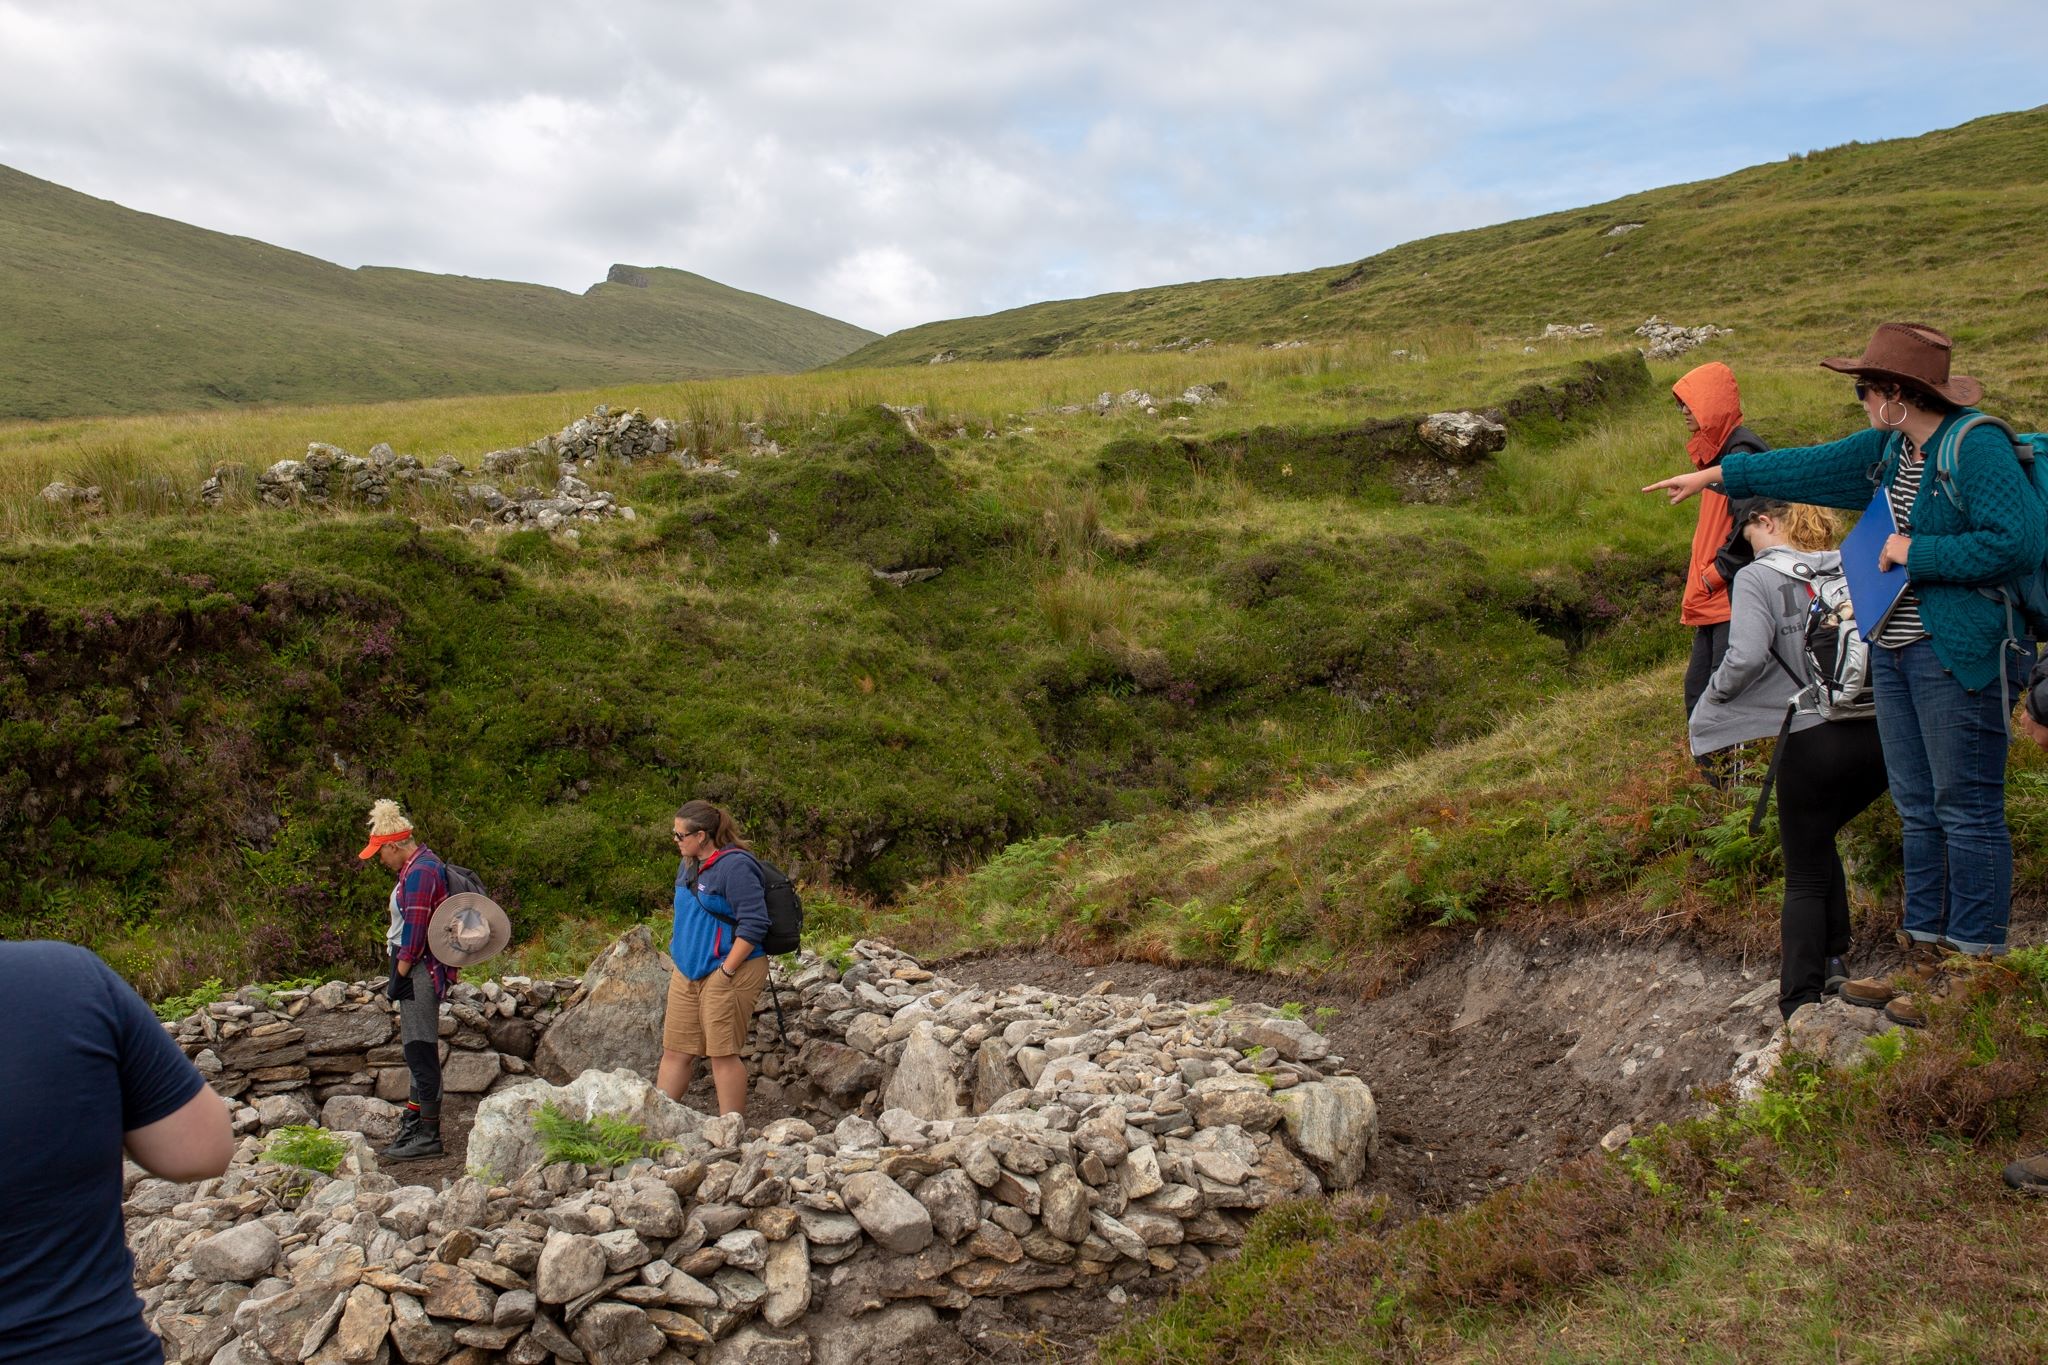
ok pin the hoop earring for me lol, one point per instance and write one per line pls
(1892, 421)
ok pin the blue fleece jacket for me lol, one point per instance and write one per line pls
(731, 884)
(1995, 535)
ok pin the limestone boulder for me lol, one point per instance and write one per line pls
(613, 1020)
(926, 1081)
(375, 1119)
(1462, 437)
(502, 1139)
(1334, 1124)
(888, 1213)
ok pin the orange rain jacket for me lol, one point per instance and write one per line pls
(1717, 406)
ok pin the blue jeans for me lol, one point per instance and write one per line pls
(1944, 752)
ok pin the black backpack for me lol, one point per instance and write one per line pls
(461, 879)
(785, 910)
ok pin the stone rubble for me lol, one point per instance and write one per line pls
(955, 1143)
(61, 494)
(1569, 331)
(1668, 339)
(1832, 1030)
(1194, 396)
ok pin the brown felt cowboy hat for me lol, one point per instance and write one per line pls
(1914, 354)
(468, 928)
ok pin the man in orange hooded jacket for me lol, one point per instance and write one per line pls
(1711, 405)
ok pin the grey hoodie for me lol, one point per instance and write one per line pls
(1747, 696)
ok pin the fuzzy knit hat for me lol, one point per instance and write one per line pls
(388, 825)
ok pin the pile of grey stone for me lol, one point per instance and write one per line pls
(330, 1054)
(942, 1143)
(1194, 396)
(61, 494)
(1668, 339)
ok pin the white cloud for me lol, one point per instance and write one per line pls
(893, 164)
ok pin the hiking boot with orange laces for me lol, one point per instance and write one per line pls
(1960, 977)
(1923, 963)
(2029, 1175)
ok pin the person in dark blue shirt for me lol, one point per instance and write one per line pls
(721, 920)
(87, 1070)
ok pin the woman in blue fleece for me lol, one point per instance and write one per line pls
(721, 920)
(1936, 664)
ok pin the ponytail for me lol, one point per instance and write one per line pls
(702, 815)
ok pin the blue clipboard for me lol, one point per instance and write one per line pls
(1872, 593)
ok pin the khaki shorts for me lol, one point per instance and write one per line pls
(712, 1017)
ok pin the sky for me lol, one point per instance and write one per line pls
(890, 164)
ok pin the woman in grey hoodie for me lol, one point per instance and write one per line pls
(1830, 770)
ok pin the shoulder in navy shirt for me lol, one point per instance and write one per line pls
(83, 1063)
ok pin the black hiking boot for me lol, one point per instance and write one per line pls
(407, 1126)
(422, 1139)
(1837, 972)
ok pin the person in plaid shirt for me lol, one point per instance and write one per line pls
(419, 980)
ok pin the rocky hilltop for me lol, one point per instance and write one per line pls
(938, 1145)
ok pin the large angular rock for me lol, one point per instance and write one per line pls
(953, 1202)
(1462, 437)
(924, 1082)
(1335, 1124)
(244, 1253)
(375, 1119)
(571, 1265)
(752, 1346)
(344, 1030)
(881, 1335)
(617, 1334)
(788, 1277)
(615, 1020)
(840, 1072)
(502, 1139)
(470, 1073)
(888, 1213)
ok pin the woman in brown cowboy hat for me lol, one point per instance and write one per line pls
(1937, 662)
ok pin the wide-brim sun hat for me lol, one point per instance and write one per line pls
(468, 928)
(1913, 353)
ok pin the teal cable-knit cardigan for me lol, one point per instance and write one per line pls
(1997, 534)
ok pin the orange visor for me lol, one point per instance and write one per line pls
(378, 841)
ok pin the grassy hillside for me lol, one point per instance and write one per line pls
(105, 310)
(1800, 256)
(1137, 612)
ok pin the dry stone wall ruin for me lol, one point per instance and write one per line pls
(937, 1143)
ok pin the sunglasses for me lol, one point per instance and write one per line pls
(1862, 391)
(688, 833)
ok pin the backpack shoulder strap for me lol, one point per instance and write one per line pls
(1948, 453)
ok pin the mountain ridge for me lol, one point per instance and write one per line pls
(110, 310)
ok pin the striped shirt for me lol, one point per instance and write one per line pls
(1903, 626)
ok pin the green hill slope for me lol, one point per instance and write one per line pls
(105, 310)
(1808, 251)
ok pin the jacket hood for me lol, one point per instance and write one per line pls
(1716, 403)
(1820, 561)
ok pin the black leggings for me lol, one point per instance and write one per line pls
(1829, 773)
(1709, 643)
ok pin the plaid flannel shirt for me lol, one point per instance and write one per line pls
(421, 887)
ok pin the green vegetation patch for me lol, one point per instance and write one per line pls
(307, 1146)
(599, 1140)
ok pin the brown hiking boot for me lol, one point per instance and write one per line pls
(1923, 961)
(1958, 978)
(2030, 1175)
